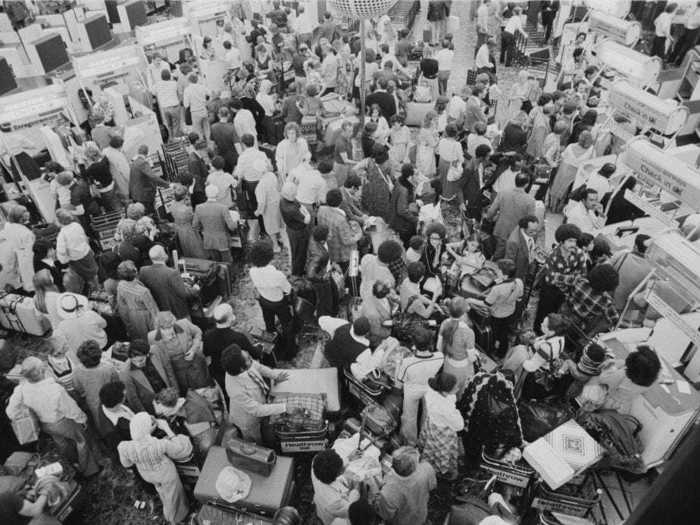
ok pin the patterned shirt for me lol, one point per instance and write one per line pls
(588, 304)
(561, 269)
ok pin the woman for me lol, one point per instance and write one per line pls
(539, 119)
(290, 151)
(519, 93)
(46, 296)
(248, 392)
(182, 342)
(552, 147)
(207, 51)
(428, 139)
(399, 140)
(17, 254)
(450, 169)
(267, 101)
(572, 157)
(62, 366)
(135, 304)
(367, 139)
(224, 181)
(319, 274)
(99, 175)
(381, 133)
(45, 259)
(587, 122)
(457, 341)
(57, 413)
(344, 81)
(492, 421)
(189, 241)
(142, 223)
(268, 196)
(429, 72)
(153, 458)
(441, 422)
(376, 267)
(435, 248)
(403, 217)
(377, 309)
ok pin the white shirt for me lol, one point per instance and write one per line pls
(662, 25)
(415, 371)
(505, 181)
(166, 93)
(223, 181)
(442, 410)
(119, 168)
(72, 243)
(329, 70)
(195, 97)
(456, 107)
(233, 58)
(693, 21)
(244, 122)
(311, 186)
(474, 141)
(482, 57)
(444, 58)
(267, 102)
(270, 283)
(576, 213)
(252, 164)
(482, 18)
(514, 24)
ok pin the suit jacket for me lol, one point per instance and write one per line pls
(517, 251)
(249, 402)
(509, 207)
(198, 171)
(223, 134)
(167, 288)
(341, 239)
(313, 255)
(143, 182)
(216, 225)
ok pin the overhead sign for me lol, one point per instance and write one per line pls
(664, 115)
(622, 31)
(30, 105)
(655, 167)
(173, 29)
(109, 62)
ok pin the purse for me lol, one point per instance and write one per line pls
(454, 173)
(249, 456)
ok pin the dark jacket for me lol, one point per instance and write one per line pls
(198, 171)
(143, 182)
(313, 255)
(376, 197)
(342, 350)
(292, 217)
(386, 103)
(215, 340)
(224, 136)
(168, 289)
(516, 251)
(401, 218)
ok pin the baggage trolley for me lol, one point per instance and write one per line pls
(516, 480)
(303, 441)
(546, 501)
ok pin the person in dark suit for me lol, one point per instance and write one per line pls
(520, 246)
(214, 221)
(166, 284)
(318, 273)
(383, 99)
(223, 134)
(198, 167)
(507, 209)
(143, 182)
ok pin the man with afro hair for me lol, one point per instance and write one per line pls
(590, 304)
(566, 262)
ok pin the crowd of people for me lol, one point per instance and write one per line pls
(425, 246)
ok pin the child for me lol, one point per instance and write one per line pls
(400, 139)
(382, 132)
(467, 255)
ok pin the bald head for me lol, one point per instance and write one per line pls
(157, 254)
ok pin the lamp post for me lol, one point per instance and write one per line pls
(361, 10)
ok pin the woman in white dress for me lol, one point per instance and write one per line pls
(290, 151)
(268, 197)
(427, 141)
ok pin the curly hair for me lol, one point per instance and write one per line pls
(112, 393)
(389, 251)
(327, 465)
(567, 231)
(436, 227)
(232, 360)
(603, 278)
(643, 366)
(416, 271)
(261, 254)
(89, 353)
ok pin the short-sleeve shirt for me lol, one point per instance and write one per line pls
(503, 298)
(10, 505)
(342, 145)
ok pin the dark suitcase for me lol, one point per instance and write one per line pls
(216, 515)
(214, 278)
(267, 493)
(483, 333)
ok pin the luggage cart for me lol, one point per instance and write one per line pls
(104, 226)
(547, 501)
(515, 481)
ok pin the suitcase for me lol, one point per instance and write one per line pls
(483, 333)
(214, 278)
(215, 515)
(17, 313)
(267, 493)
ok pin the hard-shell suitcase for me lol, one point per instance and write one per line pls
(267, 493)
(214, 278)
(17, 313)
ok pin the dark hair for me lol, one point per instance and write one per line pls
(138, 347)
(360, 512)
(327, 465)
(584, 240)
(41, 248)
(642, 367)
(451, 130)
(480, 129)
(507, 267)
(640, 242)
(361, 326)
(353, 181)
(232, 360)
(54, 167)
(261, 254)
(248, 140)
(218, 162)
(524, 222)
(435, 227)
(482, 151)
(286, 516)
(320, 233)
(380, 289)
(442, 383)
(89, 353)
(558, 323)
(325, 166)
(389, 251)
(112, 393)
(423, 339)
(567, 231)
(416, 271)
(603, 278)
(334, 198)
(416, 242)
(522, 180)
(193, 137)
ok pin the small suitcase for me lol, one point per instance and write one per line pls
(214, 278)
(267, 493)
(18, 313)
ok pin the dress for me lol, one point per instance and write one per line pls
(571, 159)
(190, 241)
(400, 139)
(268, 197)
(428, 139)
(136, 307)
(450, 153)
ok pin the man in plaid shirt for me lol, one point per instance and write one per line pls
(590, 301)
(566, 262)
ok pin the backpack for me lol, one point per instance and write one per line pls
(618, 434)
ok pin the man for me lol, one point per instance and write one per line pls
(347, 343)
(101, 133)
(195, 99)
(149, 371)
(507, 209)
(166, 284)
(118, 167)
(521, 246)
(277, 16)
(81, 204)
(599, 182)
(457, 106)
(387, 73)
(168, 102)
(403, 47)
(214, 221)
(474, 111)
(296, 219)
(143, 182)
(482, 24)
(243, 121)
(484, 62)
(328, 29)
(350, 191)
(566, 262)
(232, 56)
(513, 25)
(311, 187)
(632, 267)
(252, 165)
(383, 99)
(476, 139)
(342, 239)
(222, 336)
(444, 58)
(587, 213)
(198, 168)
(342, 152)
(506, 180)
(290, 104)
(590, 305)
(388, 56)
(73, 249)
(223, 134)
(329, 67)
(404, 495)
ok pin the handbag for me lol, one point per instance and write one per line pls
(25, 424)
(248, 456)
(454, 173)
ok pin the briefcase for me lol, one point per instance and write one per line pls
(267, 493)
(249, 456)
